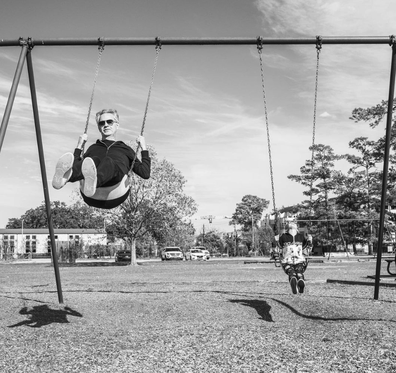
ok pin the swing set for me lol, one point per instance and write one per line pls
(104, 194)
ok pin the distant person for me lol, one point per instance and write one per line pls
(294, 249)
(104, 166)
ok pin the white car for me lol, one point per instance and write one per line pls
(172, 253)
(195, 254)
(204, 251)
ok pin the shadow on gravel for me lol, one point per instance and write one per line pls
(312, 317)
(261, 306)
(43, 315)
(95, 264)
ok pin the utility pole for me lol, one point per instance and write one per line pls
(210, 219)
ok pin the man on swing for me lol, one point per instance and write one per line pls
(104, 164)
(295, 248)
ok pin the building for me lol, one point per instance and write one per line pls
(18, 242)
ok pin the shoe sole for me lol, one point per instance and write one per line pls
(63, 170)
(301, 286)
(88, 169)
(293, 284)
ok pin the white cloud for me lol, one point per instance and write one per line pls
(327, 17)
(325, 114)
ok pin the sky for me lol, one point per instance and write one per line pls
(206, 112)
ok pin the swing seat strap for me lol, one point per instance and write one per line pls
(105, 204)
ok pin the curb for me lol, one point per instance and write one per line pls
(364, 283)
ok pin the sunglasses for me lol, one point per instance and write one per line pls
(110, 122)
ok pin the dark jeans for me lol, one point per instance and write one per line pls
(295, 270)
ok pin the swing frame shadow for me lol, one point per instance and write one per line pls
(27, 45)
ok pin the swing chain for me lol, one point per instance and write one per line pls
(318, 49)
(157, 51)
(260, 50)
(101, 49)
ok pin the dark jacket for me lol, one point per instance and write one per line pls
(121, 154)
(287, 238)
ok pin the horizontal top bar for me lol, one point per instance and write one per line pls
(196, 41)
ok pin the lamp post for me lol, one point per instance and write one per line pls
(22, 237)
(236, 240)
(252, 233)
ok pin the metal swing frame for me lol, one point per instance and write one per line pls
(27, 45)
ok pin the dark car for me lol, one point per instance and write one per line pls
(123, 256)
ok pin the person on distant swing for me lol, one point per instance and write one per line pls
(295, 248)
(104, 164)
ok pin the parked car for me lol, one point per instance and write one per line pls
(216, 255)
(172, 253)
(195, 254)
(205, 252)
(123, 256)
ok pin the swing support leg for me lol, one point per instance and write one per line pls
(388, 136)
(44, 174)
(25, 54)
(12, 94)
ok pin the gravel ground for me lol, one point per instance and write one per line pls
(215, 316)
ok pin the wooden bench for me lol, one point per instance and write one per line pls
(390, 261)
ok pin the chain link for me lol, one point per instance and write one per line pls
(318, 49)
(157, 51)
(101, 49)
(260, 50)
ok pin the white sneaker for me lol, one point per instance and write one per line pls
(88, 169)
(63, 170)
